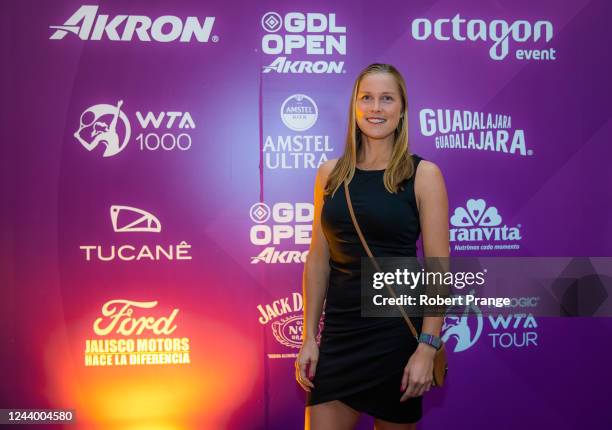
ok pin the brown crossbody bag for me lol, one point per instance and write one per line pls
(440, 365)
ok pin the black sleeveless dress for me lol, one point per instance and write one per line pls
(361, 360)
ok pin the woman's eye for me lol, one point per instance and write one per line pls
(365, 97)
(388, 98)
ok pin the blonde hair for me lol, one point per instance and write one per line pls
(400, 166)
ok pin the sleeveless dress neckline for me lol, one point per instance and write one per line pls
(369, 171)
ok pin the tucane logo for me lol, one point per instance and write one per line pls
(98, 125)
(127, 219)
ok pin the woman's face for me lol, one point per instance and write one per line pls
(378, 107)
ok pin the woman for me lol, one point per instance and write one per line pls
(362, 362)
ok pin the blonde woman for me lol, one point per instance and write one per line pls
(369, 365)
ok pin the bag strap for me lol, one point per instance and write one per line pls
(374, 262)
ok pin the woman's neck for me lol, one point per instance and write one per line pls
(375, 153)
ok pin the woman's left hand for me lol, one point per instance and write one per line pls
(418, 373)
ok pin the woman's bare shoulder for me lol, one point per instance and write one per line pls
(326, 168)
(428, 171)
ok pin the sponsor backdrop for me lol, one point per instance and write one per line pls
(158, 173)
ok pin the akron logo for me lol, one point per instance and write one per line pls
(105, 125)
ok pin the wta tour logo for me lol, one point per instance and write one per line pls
(517, 330)
(498, 33)
(108, 126)
(310, 34)
(482, 225)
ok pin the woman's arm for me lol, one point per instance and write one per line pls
(314, 284)
(432, 202)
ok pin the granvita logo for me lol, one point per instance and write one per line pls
(477, 222)
(88, 25)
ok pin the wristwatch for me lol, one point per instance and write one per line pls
(430, 339)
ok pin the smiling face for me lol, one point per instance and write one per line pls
(378, 107)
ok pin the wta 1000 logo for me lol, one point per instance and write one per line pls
(303, 34)
(108, 127)
(499, 33)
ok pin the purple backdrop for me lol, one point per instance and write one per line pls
(226, 109)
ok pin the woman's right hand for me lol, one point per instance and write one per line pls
(307, 360)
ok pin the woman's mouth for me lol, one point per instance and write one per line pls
(376, 120)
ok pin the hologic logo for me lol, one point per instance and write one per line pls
(498, 31)
(477, 222)
(87, 25)
(303, 34)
